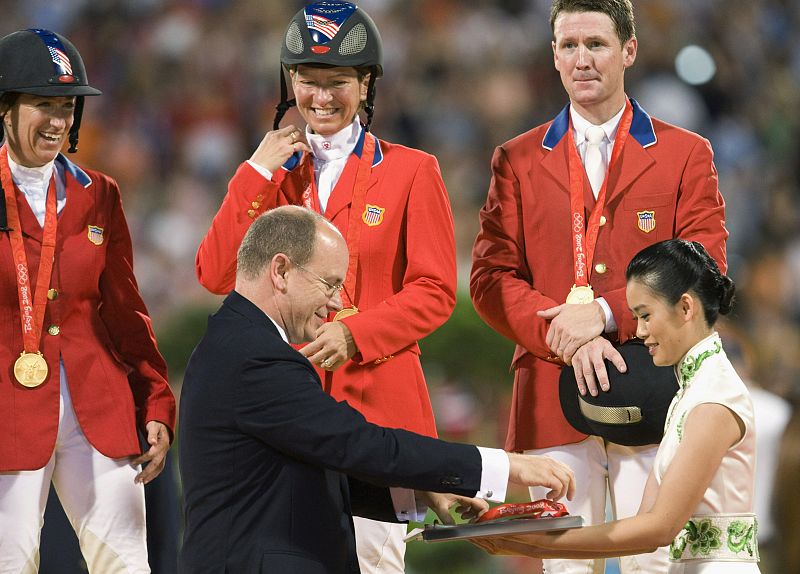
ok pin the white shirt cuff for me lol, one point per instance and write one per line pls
(494, 478)
(261, 169)
(611, 324)
(405, 505)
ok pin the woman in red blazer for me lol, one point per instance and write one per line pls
(390, 203)
(81, 370)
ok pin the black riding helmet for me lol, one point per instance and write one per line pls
(333, 33)
(43, 63)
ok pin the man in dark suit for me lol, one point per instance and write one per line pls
(273, 468)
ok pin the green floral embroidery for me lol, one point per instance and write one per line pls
(741, 536)
(701, 537)
(679, 427)
(678, 545)
(690, 365)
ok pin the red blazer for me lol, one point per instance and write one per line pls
(407, 273)
(522, 258)
(116, 376)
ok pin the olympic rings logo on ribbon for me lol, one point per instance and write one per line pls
(22, 274)
(577, 223)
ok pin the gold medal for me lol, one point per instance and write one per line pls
(347, 312)
(30, 369)
(580, 295)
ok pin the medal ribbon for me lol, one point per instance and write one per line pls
(584, 237)
(357, 205)
(31, 314)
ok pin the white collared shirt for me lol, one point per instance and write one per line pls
(580, 125)
(34, 182)
(330, 154)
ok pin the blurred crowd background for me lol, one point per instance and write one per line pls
(190, 88)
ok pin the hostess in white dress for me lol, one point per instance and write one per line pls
(720, 537)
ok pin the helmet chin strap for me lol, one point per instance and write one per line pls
(369, 107)
(284, 104)
(76, 125)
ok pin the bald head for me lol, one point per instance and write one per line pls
(289, 265)
(291, 230)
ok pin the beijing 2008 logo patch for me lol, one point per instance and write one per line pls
(95, 234)
(646, 220)
(373, 215)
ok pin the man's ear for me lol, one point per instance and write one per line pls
(278, 268)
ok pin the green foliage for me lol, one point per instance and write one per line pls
(178, 336)
(468, 350)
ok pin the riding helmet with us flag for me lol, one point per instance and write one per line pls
(331, 33)
(44, 63)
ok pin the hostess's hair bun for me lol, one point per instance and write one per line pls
(726, 293)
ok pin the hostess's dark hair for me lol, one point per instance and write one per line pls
(673, 267)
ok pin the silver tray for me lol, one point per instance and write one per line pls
(439, 532)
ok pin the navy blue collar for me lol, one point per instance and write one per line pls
(641, 127)
(295, 158)
(80, 176)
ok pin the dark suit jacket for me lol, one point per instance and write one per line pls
(263, 449)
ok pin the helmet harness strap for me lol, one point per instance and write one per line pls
(369, 106)
(76, 124)
(284, 104)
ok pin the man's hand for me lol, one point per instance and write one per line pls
(590, 368)
(571, 326)
(531, 470)
(156, 455)
(332, 347)
(278, 146)
(441, 503)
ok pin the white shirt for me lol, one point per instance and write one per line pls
(34, 182)
(580, 125)
(330, 154)
(494, 476)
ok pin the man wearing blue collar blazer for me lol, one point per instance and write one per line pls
(569, 204)
(273, 467)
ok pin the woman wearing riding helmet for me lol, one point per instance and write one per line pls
(388, 201)
(81, 370)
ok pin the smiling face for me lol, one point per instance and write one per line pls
(591, 61)
(328, 98)
(310, 299)
(37, 128)
(668, 331)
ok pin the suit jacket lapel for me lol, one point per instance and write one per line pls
(633, 162)
(556, 163)
(342, 194)
(31, 227)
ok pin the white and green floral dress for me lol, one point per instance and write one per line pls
(720, 537)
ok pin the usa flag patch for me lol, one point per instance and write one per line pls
(373, 215)
(95, 234)
(324, 19)
(646, 220)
